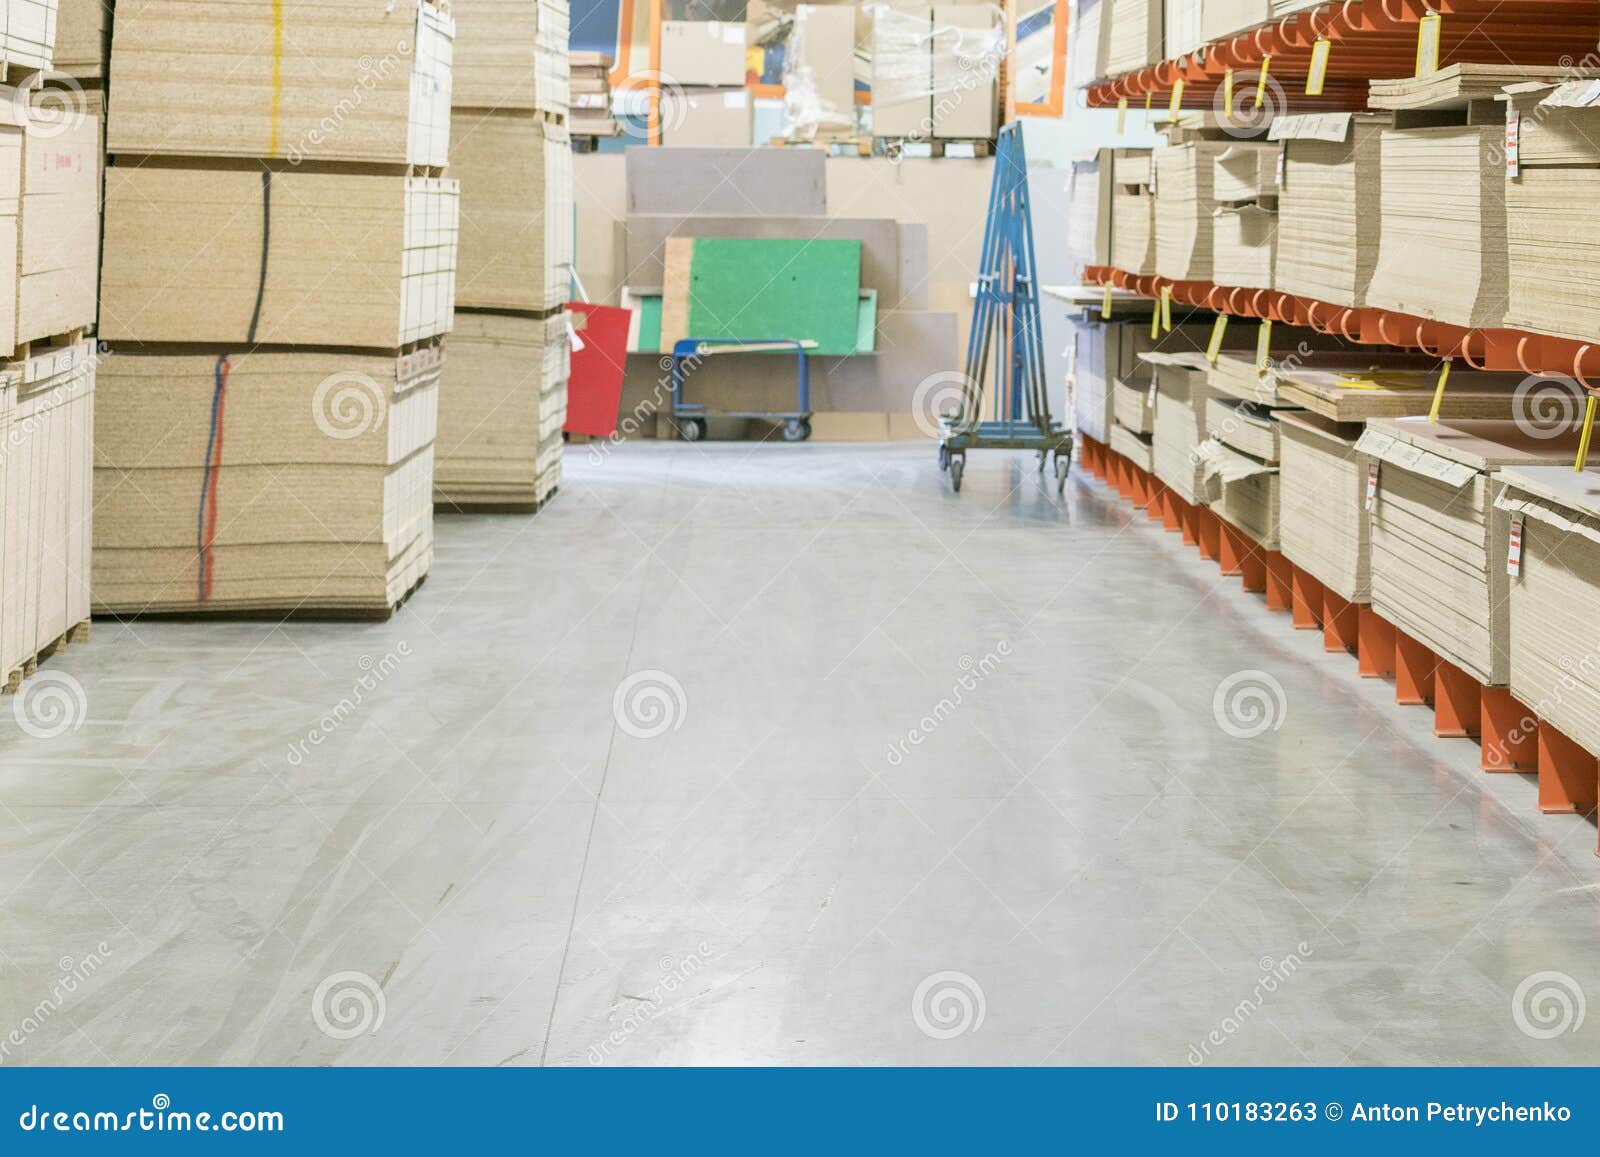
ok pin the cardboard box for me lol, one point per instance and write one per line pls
(515, 170)
(354, 259)
(323, 496)
(354, 82)
(821, 78)
(708, 118)
(902, 70)
(512, 54)
(966, 57)
(702, 52)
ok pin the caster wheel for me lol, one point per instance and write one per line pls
(944, 457)
(796, 430)
(694, 429)
(957, 467)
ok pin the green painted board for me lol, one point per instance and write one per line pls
(789, 288)
(650, 324)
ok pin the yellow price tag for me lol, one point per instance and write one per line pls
(1227, 93)
(1318, 73)
(1155, 323)
(1261, 81)
(1214, 346)
(1166, 308)
(1438, 394)
(1588, 429)
(1429, 29)
(1105, 305)
(1122, 115)
(1177, 100)
(1264, 347)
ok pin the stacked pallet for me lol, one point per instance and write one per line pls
(49, 231)
(591, 98)
(277, 284)
(505, 401)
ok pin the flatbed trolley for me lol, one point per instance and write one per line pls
(691, 417)
(1006, 330)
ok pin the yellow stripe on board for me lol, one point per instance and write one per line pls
(277, 75)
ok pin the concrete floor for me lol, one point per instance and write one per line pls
(634, 782)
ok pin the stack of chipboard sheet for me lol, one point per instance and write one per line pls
(1555, 596)
(1239, 467)
(1290, 7)
(1181, 27)
(1442, 236)
(1133, 407)
(1459, 87)
(1323, 526)
(591, 96)
(1089, 197)
(47, 427)
(1245, 225)
(1345, 386)
(1181, 399)
(1130, 32)
(1439, 542)
(82, 39)
(1136, 448)
(28, 35)
(1186, 204)
(1104, 353)
(1328, 205)
(513, 156)
(1219, 18)
(1133, 208)
(267, 422)
(512, 54)
(1553, 209)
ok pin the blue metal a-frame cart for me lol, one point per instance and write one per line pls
(1006, 331)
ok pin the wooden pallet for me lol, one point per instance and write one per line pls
(76, 634)
(902, 146)
(491, 506)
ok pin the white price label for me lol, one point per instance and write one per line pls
(1514, 554)
(1513, 143)
(1372, 484)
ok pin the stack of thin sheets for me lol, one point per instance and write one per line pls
(1329, 214)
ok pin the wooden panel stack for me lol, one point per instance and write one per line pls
(280, 257)
(1186, 202)
(1133, 208)
(1245, 224)
(505, 398)
(49, 234)
(1328, 208)
(591, 99)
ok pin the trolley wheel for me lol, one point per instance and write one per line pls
(958, 465)
(1044, 456)
(796, 430)
(694, 429)
(1063, 465)
(944, 456)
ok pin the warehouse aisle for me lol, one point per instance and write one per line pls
(773, 754)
